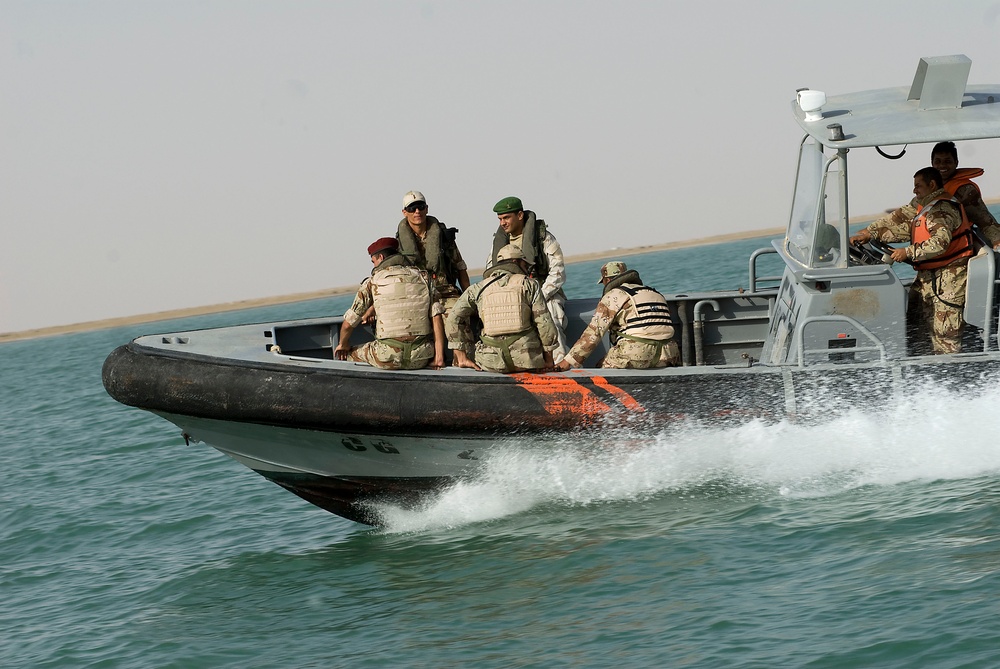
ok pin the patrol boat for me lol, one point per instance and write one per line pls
(828, 333)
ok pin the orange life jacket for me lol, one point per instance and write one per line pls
(962, 177)
(961, 239)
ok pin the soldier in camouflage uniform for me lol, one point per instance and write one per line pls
(637, 319)
(430, 246)
(409, 327)
(521, 228)
(940, 247)
(958, 183)
(518, 333)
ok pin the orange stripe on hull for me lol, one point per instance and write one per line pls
(560, 396)
(627, 400)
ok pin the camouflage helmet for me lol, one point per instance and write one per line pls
(612, 270)
(510, 252)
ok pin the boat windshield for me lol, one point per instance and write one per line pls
(813, 238)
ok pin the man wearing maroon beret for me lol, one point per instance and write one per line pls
(409, 329)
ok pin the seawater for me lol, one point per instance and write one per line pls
(869, 540)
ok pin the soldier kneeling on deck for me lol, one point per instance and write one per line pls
(637, 319)
(409, 328)
(518, 332)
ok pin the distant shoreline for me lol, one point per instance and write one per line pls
(121, 321)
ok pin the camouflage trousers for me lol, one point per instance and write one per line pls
(557, 309)
(385, 355)
(631, 354)
(934, 311)
(449, 303)
(510, 354)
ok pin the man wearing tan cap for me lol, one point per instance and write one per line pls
(430, 246)
(529, 233)
(637, 320)
(409, 329)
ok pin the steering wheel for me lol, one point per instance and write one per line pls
(867, 253)
(881, 247)
(872, 252)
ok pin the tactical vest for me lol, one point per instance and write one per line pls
(962, 177)
(961, 245)
(503, 309)
(532, 242)
(436, 254)
(402, 301)
(652, 319)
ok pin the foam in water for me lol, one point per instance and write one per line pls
(927, 435)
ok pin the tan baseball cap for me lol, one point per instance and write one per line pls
(413, 196)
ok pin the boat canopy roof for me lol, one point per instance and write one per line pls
(938, 106)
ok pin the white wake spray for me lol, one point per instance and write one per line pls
(932, 434)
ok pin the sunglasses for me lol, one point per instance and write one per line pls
(416, 206)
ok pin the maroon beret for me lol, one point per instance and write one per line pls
(383, 244)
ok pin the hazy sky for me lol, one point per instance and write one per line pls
(159, 155)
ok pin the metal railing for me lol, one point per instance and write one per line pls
(753, 269)
(800, 338)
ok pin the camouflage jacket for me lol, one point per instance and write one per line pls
(611, 314)
(552, 273)
(942, 221)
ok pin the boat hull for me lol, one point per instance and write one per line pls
(344, 437)
(452, 402)
(346, 473)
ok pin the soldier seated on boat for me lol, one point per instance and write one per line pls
(430, 245)
(409, 328)
(940, 238)
(637, 319)
(518, 334)
(959, 184)
(522, 228)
